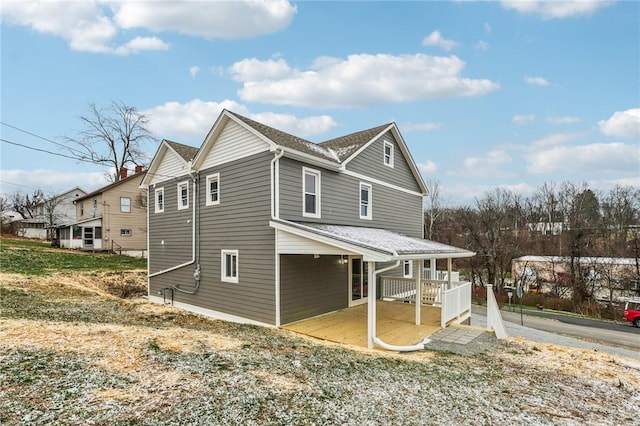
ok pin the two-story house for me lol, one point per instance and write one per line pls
(110, 218)
(264, 227)
(48, 214)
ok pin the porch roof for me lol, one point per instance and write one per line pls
(382, 243)
(98, 220)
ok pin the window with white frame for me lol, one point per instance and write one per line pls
(125, 204)
(159, 200)
(407, 269)
(229, 268)
(365, 201)
(183, 195)
(310, 192)
(125, 232)
(388, 154)
(213, 189)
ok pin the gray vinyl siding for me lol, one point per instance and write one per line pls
(340, 201)
(310, 287)
(173, 227)
(370, 162)
(240, 222)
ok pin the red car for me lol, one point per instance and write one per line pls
(632, 311)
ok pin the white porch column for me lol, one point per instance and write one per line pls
(418, 268)
(449, 273)
(432, 269)
(371, 304)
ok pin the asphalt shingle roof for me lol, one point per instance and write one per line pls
(336, 150)
(187, 152)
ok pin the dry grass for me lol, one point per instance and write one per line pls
(73, 352)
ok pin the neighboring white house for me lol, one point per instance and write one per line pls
(608, 278)
(48, 213)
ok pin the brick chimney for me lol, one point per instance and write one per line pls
(123, 173)
(138, 169)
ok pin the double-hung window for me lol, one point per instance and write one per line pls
(159, 200)
(388, 154)
(310, 192)
(407, 269)
(125, 204)
(365, 201)
(213, 189)
(229, 261)
(183, 195)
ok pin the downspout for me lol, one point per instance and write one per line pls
(275, 185)
(194, 253)
(372, 319)
(275, 214)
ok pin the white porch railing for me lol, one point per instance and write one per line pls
(455, 301)
(404, 289)
(440, 275)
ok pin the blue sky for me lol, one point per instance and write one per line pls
(486, 94)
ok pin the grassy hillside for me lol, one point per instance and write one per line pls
(38, 258)
(73, 352)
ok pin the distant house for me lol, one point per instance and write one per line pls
(110, 218)
(264, 227)
(48, 214)
(607, 278)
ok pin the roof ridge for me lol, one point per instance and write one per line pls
(288, 140)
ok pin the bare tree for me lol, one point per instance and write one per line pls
(51, 215)
(433, 210)
(112, 137)
(25, 204)
(5, 206)
(620, 210)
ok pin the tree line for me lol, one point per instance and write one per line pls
(565, 219)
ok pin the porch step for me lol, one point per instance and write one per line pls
(459, 334)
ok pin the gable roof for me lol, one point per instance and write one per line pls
(187, 152)
(345, 146)
(334, 153)
(184, 152)
(111, 186)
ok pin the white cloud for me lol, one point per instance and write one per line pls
(622, 123)
(140, 44)
(487, 28)
(597, 158)
(487, 165)
(94, 26)
(193, 71)
(555, 139)
(50, 181)
(523, 119)
(191, 121)
(358, 80)
(428, 167)
(482, 45)
(253, 69)
(563, 120)
(436, 39)
(556, 9)
(210, 19)
(410, 127)
(537, 81)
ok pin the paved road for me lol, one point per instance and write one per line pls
(567, 330)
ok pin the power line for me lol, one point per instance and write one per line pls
(48, 152)
(17, 184)
(73, 158)
(41, 137)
